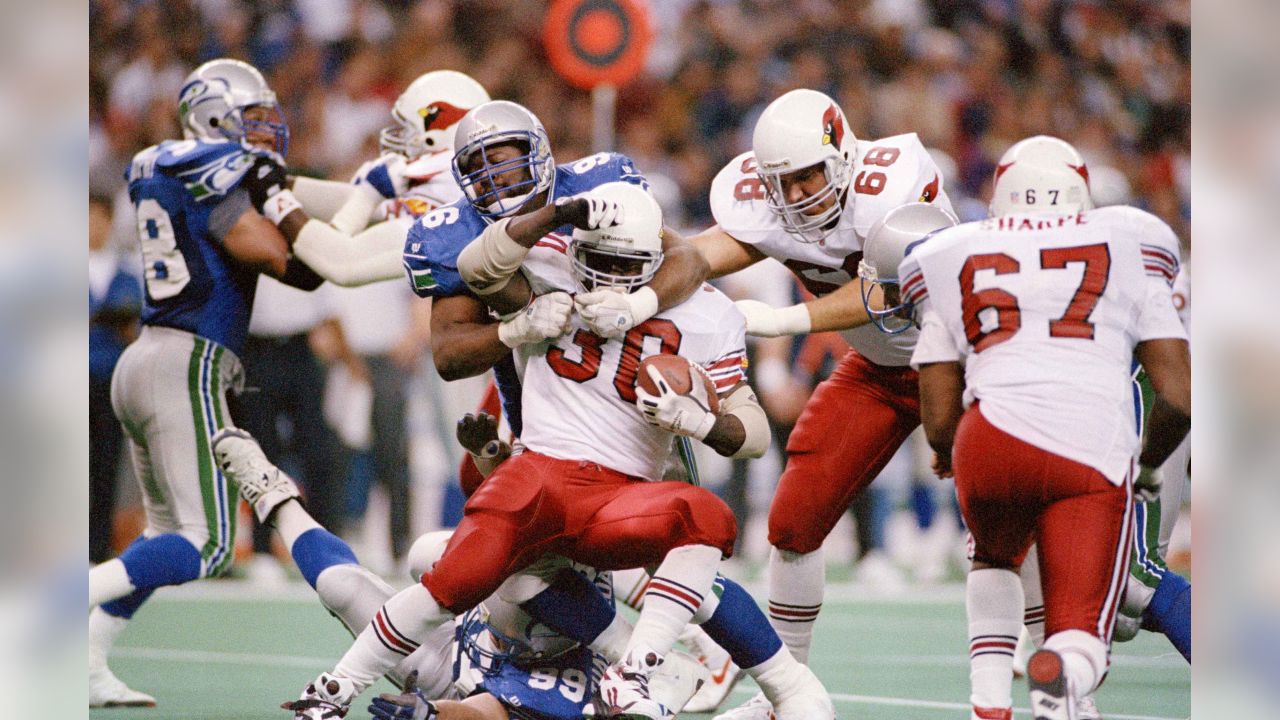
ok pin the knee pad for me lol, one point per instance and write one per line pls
(353, 594)
(426, 550)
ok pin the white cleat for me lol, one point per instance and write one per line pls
(262, 484)
(676, 680)
(328, 698)
(624, 688)
(722, 673)
(1087, 709)
(808, 701)
(757, 708)
(108, 691)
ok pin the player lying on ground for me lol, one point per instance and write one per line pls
(1032, 319)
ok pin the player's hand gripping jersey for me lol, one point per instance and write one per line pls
(579, 395)
(431, 185)
(887, 173)
(1045, 310)
(187, 196)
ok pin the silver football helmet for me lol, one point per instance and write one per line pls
(215, 97)
(888, 242)
(506, 187)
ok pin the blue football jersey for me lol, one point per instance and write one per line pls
(558, 688)
(185, 194)
(436, 239)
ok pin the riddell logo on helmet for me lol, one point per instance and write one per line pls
(832, 127)
(440, 115)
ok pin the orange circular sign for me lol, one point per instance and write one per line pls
(596, 42)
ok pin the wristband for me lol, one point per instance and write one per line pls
(644, 304)
(278, 206)
(704, 428)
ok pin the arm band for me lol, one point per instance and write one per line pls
(373, 255)
(489, 261)
(321, 198)
(742, 404)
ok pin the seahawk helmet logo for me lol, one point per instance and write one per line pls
(440, 115)
(832, 127)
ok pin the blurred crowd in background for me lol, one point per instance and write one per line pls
(971, 77)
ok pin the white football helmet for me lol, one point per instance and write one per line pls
(1041, 174)
(888, 242)
(214, 97)
(627, 255)
(801, 129)
(500, 122)
(427, 110)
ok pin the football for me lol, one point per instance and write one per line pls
(678, 372)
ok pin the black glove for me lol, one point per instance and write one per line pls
(479, 434)
(265, 178)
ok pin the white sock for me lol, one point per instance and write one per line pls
(291, 520)
(993, 601)
(795, 597)
(108, 581)
(629, 585)
(103, 631)
(1084, 659)
(395, 632)
(612, 641)
(1033, 597)
(778, 676)
(677, 590)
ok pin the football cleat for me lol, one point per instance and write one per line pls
(757, 708)
(1087, 709)
(1051, 697)
(624, 688)
(723, 673)
(328, 698)
(677, 680)
(108, 691)
(808, 700)
(262, 484)
(983, 713)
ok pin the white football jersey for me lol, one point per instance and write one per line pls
(1182, 296)
(887, 173)
(431, 185)
(578, 396)
(1045, 311)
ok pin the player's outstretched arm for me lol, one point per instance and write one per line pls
(464, 339)
(840, 310)
(723, 252)
(941, 405)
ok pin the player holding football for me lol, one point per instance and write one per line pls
(807, 195)
(1032, 320)
(506, 170)
(208, 214)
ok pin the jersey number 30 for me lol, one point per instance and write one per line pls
(1074, 323)
(624, 380)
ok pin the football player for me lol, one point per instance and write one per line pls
(807, 194)
(594, 421)
(1044, 451)
(508, 663)
(207, 211)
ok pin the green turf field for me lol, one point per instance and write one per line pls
(229, 652)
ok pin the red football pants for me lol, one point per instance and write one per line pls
(534, 504)
(1013, 493)
(852, 425)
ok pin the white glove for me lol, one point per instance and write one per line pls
(688, 415)
(384, 175)
(764, 320)
(1146, 487)
(587, 212)
(611, 312)
(546, 317)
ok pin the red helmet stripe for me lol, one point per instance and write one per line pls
(439, 115)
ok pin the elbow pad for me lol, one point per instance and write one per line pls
(743, 405)
(373, 255)
(489, 261)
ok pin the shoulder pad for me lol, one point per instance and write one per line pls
(432, 247)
